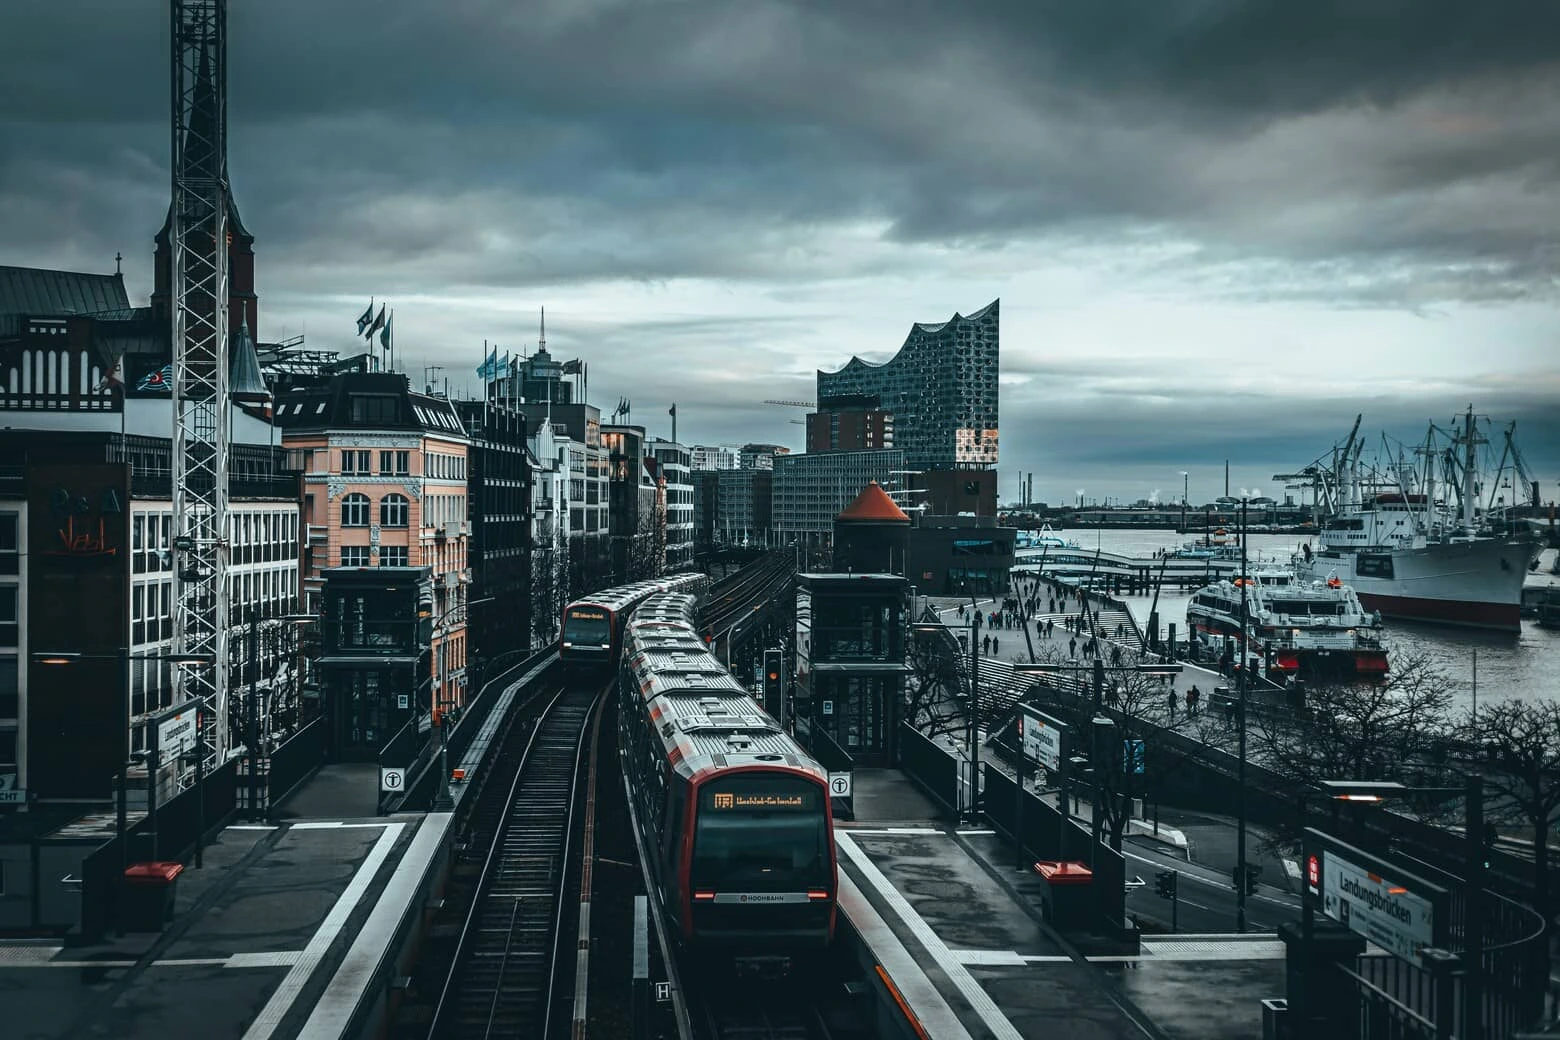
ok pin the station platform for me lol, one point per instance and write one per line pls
(261, 935)
(292, 928)
(957, 930)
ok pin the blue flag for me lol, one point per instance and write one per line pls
(488, 370)
(366, 317)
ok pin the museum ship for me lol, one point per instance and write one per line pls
(1414, 541)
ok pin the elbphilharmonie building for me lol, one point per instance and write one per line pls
(941, 388)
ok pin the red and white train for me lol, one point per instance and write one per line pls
(591, 631)
(733, 814)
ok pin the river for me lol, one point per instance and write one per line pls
(1524, 665)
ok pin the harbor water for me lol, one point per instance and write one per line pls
(1524, 665)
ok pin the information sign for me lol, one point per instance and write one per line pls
(17, 796)
(176, 732)
(828, 707)
(1042, 737)
(1382, 910)
(391, 779)
(839, 785)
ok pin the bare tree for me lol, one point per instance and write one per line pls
(935, 688)
(1144, 708)
(1387, 730)
(1517, 748)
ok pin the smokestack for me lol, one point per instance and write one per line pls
(1226, 478)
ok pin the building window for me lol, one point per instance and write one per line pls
(354, 556)
(8, 542)
(393, 556)
(7, 604)
(394, 463)
(355, 463)
(393, 511)
(354, 511)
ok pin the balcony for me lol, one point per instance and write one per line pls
(319, 534)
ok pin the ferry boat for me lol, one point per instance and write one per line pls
(1045, 538)
(1416, 544)
(1315, 629)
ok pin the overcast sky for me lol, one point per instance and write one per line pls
(1218, 229)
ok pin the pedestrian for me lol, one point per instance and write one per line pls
(1072, 647)
(1170, 702)
(1191, 702)
(985, 645)
(1229, 712)
(995, 645)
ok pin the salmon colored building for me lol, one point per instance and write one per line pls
(385, 473)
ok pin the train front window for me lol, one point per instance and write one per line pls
(587, 627)
(761, 833)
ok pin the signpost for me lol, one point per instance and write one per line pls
(177, 731)
(1042, 738)
(1399, 912)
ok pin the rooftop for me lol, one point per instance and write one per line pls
(873, 505)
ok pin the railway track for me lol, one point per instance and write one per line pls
(741, 1013)
(500, 982)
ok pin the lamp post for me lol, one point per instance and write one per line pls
(1472, 792)
(123, 657)
(445, 800)
(974, 735)
(732, 629)
(1240, 780)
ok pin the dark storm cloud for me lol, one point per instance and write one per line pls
(1394, 154)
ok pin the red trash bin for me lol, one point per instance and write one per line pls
(1068, 896)
(147, 895)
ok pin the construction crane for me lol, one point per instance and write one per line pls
(198, 236)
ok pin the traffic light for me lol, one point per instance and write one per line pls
(1165, 882)
(774, 681)
(1253, 872)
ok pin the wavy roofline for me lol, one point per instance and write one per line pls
(919, 326)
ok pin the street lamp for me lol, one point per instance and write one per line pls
(732, 629)
(445, 800)
(1472, 793)
(121, 822)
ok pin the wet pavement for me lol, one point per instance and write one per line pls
(956, 900)
(255, 933)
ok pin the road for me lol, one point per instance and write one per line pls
(1205, 890)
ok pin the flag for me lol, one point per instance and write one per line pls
(366, 317)
(115, 376)
(384, 334)
(488, 370)
(157, 380)
(673, 412)
(571, 368)
(377, 324)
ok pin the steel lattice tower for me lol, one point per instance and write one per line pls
(198, 238)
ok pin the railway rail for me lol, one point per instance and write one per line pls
(500, 982)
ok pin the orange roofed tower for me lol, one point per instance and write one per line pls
(871, 535)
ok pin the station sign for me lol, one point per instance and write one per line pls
(178, 730)
(392, 779)
(839, 785)
(13, 796)
(1396, 910)
(1041, 737)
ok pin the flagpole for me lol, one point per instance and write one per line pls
(391, 347)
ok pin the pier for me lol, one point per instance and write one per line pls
(1118, 573)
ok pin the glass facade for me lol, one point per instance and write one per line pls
(941, 389)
